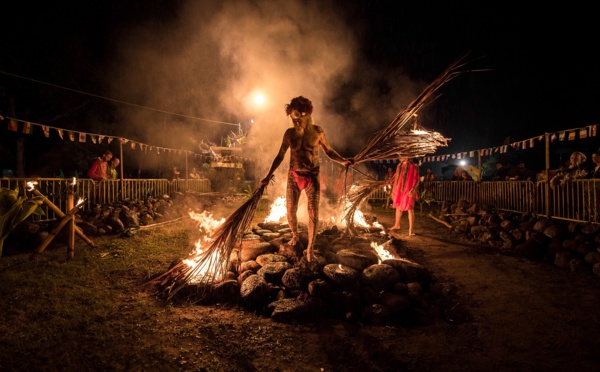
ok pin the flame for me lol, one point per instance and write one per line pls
(31, 185)
(80, 202)
(278, 210)
(74, 181)
(383, 253)
(206, 224)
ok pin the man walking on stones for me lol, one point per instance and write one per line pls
(303, 140)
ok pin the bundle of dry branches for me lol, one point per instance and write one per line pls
(357, 194)
(212, 263)
(398, 140)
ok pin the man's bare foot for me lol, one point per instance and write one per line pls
(294, 240)
(309, 254)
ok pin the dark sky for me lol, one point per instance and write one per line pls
(361, 62)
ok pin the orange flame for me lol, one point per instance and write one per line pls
(206, 224)
(383, 253)
(278, 210)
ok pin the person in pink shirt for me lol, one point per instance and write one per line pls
(405, 185)
(99, 169)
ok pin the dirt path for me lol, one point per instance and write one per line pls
(525, 315)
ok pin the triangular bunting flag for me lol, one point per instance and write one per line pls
(571, 136)
(133, 145)
(593, 131)
(46, 130)
(13, 126)
(60, 133)
(72, 136)
(109, 140)
(82, 137)
(561, 136)
(93, 138)
(583, 133)
(100, 139)
(27, 127)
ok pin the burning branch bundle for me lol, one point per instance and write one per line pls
(397, 140)
(359, 193)
(211, 264)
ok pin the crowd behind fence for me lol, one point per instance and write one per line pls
(103, 192)
(577, 200)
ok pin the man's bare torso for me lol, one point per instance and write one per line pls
(304, 147)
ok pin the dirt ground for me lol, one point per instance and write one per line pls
(522, 316)
(517, 315)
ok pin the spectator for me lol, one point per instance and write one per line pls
(194, 173)
(574, 170)
(594, 171)
(520, 173)
(465, 176)
(99, 169)
(501, 172)
(113, 165)
(175, 173)
(429, 176)
(456, 176)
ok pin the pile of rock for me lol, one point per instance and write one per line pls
(347, 280)
(111, 219)
(571, 245)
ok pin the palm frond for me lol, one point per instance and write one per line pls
(359, 193)
(211, 263)
(397, 139)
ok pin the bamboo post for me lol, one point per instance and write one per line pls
(122, 186)
(71, 224)
(60, 213)
(547, 171)
(66, 218)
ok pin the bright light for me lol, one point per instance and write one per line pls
(463, 163)
(259, 99)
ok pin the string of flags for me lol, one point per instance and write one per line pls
(27, 128)
(570, 135)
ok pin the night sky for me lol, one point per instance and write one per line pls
(147, 69)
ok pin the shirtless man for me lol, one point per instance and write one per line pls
(303, 140)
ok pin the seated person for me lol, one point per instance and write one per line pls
(194, 173)
(575, 170)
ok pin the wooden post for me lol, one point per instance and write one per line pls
(67, 217)
(547, 171)
(60, 213)
(71, 224)
(121, 171)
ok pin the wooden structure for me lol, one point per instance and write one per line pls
(226, 157)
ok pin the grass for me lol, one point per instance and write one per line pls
(67, 315)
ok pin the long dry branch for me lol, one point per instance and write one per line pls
(212, 263)
(386, 145)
